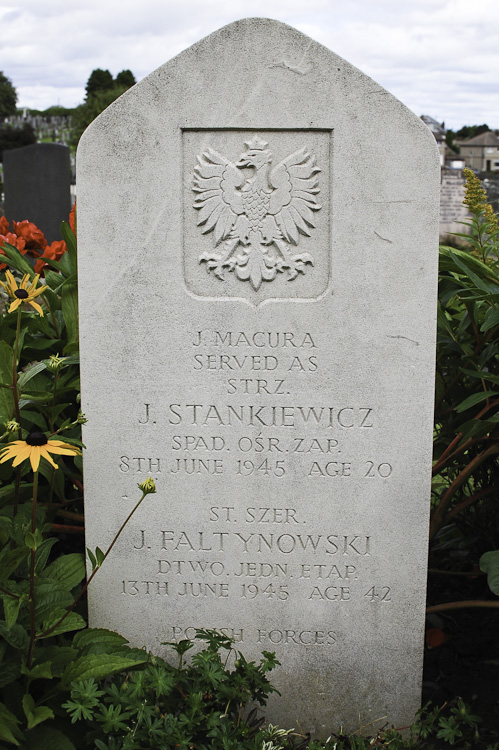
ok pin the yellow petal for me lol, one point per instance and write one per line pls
(11, 280)
(21, 455)
(24, 282)
(34, 456)
(6, 455)
(7, 289)
(15, 304)
(37, 292)
(37, 307)
(44, 452)
(66, 451)
(33, 284)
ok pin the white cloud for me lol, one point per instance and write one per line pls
(439, 57)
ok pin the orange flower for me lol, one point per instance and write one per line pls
(12, 239)
(34, 237)
(52, 252)
(72, 218)
(4, 225)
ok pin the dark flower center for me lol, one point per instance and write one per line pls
(21, 294)
(36, 438)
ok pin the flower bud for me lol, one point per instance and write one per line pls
(147, 486)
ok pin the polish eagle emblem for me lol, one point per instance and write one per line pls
(256, 212)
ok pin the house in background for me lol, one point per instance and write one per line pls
(438, 130)
(481, 153)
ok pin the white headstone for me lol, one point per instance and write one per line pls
(258, 228)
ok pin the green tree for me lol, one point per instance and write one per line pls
(8, 97)
(15, 137)
(90, 109)
(99, 81)
(125, 78)
(470, 131)
(101, 90)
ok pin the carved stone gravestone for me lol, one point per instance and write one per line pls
(258, 228)
(37, 182)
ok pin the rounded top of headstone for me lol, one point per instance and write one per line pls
(259, 71)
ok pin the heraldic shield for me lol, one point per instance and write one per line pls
(256, 214)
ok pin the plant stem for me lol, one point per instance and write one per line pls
(86, 585)
(32, 627)
(439, 514)
(16, 406)
(471, 603)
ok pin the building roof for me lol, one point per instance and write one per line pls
(484, 139)
(436, 128)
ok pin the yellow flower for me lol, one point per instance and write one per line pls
(34, 447)
(475, 196)
(147, 486)
(23, 293)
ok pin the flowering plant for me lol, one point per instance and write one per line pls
(44, 643)
(30, 241)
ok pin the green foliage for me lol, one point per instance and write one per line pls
(466, 445)
(44, 640)
(93, 106)
(11, 137)
(125, 78)
(8, 97)
(102, 90)
(99, 81)
(470, 131)
(203, 704)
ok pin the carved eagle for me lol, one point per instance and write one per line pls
(252, 214)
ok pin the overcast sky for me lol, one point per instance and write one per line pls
(440, 57)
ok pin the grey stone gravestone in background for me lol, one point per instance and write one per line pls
(258, 229)
(37, 182)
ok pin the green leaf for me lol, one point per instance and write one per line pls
(33, 539)
(53, 280)
(42, 554)
(87, 639)
(50, 597)
(474, 399)
(6, 394)
(99, 554)
(69, 304)
(9, 726)
(92, 558)
(48, 738)
(489, 563)
(99, 666)
(69, 238)
(57, 656)
(35, 714)
(73, 621)
(17, 261)
(491, 319)
(11, 668)
(39, 671)
(11, 608)
(10, 559)
(68, 570)
(35, 418)
(16, 636)
(26, 376)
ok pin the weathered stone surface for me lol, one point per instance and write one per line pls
(37, 186)
(277, 385)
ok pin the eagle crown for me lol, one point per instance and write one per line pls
(257, 158)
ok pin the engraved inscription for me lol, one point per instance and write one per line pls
(259, 426)
(256, 212)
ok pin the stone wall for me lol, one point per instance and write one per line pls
(452, 211)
